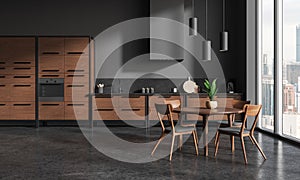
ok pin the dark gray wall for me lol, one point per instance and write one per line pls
(90, 17)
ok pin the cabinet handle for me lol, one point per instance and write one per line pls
(2, 104)
(22, 68)
(21, 104)
(75, 52)
(22, 77)
(2, 62)
(130, 109)
(2, 67)
(22, 62)
(75, 85)
(50, 75)
(2, 76)
(75, 75)
(50, 104)
(22, 85)
(50, 70)
(75, 104)
(72, 70)
(51, 53)
(2, 85)
(104, 109)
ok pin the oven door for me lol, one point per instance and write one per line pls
(51, 89)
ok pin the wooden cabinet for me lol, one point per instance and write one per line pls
(119, 108)
(17, 78)
(51, 64)
(160, 99)
(22, 110)
(51, 46)
(51, 111)
(77, 46)
(76, 110)
(77, 64)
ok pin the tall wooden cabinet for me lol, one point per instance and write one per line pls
(66, 58)
(17, 78)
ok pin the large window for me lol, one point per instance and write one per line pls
(291, 69)
(280, 66)
(267, 64)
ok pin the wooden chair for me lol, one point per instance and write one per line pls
(166, 110)
(177, 104)
(238, 104)
(250, 111)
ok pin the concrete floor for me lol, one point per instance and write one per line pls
(64, 153)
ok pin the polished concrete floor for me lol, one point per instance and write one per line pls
(64, 153)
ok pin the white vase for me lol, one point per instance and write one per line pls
(211, 104)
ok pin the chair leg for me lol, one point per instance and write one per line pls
(258, 147)
(158, 142)
(196, 134)
(180, 142)
(250, 137)
(171, 152)
(244, 150)
(195, 142)
(232, 143)
(217, 143)
(217, 133)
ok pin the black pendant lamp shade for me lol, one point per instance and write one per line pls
(223, 34)
(193, 23)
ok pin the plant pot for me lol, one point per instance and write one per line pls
(211, 104)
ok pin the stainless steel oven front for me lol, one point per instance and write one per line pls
(51, 89)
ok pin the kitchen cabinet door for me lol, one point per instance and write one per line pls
(76, 111)
(4, 110)
(51, 111)
(22, 110)
(77, 46)
(51, 46)
(51, 64)
(77, 64)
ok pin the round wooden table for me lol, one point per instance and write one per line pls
(205, 113)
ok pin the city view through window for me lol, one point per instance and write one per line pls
(290, 67)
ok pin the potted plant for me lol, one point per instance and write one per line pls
(211, 90)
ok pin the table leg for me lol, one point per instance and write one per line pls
(205, 133)
(230, 121)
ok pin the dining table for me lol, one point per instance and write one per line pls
(205, 113)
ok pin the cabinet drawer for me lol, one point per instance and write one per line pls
(51, 46)
(51, 75)
(131, 113)
(76, 78)
(51, 111)
(51, 64)
(76, 110)
(104, 114)
(21, 70)
(5, 79)
(196, 102)
(23, 47)
(160, 100)
(106, 103)
(28, 79)
(4, 111)
(77, 64)
(127, 102)
(22, 92)
(75, 46)
(76, 92)
(22, 111)
(22, 62)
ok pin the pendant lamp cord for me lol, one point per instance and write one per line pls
(223, 15)
(193, 6)
(206, 19)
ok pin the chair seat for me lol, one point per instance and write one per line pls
(224, 123)
(232, 130)
(188, 123)
(182, 129)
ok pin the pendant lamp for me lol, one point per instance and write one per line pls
(223, 34)
(193, 22)
(206, 44)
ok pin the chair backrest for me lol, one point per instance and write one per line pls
(164, 110)
(251, 111)
(239, 104)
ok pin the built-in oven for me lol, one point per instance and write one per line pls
(51, 89)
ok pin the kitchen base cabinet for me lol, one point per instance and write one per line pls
(4, 111)
(104, 114)
(51, 111)
(76, 110)
(22, 111)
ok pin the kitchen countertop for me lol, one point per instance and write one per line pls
(104, 95)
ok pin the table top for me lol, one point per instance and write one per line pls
(205, 111)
